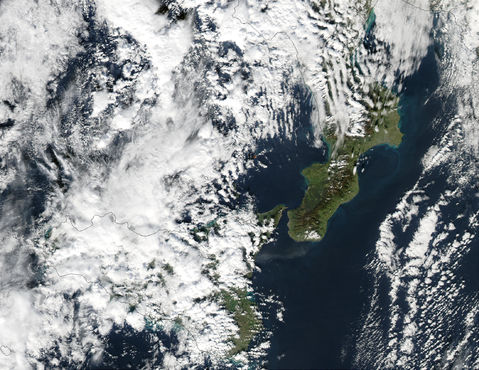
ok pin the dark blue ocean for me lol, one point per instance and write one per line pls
(323, 285)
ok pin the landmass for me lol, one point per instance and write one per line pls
(240, 304)
(273, 215)
(268, 221)
(335, 182)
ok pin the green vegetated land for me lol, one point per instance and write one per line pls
(269, 218)
(335, 182)
(240, 304)
(272, 215)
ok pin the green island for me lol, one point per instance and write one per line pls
(240, 304)
(335, 182)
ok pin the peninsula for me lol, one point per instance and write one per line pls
(335, 182)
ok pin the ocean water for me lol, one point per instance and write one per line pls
(281, 181)
(323, 285)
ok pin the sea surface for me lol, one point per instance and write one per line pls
(324, 285)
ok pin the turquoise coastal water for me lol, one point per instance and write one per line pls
(370, 21)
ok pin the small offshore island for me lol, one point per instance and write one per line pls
(335, 182)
